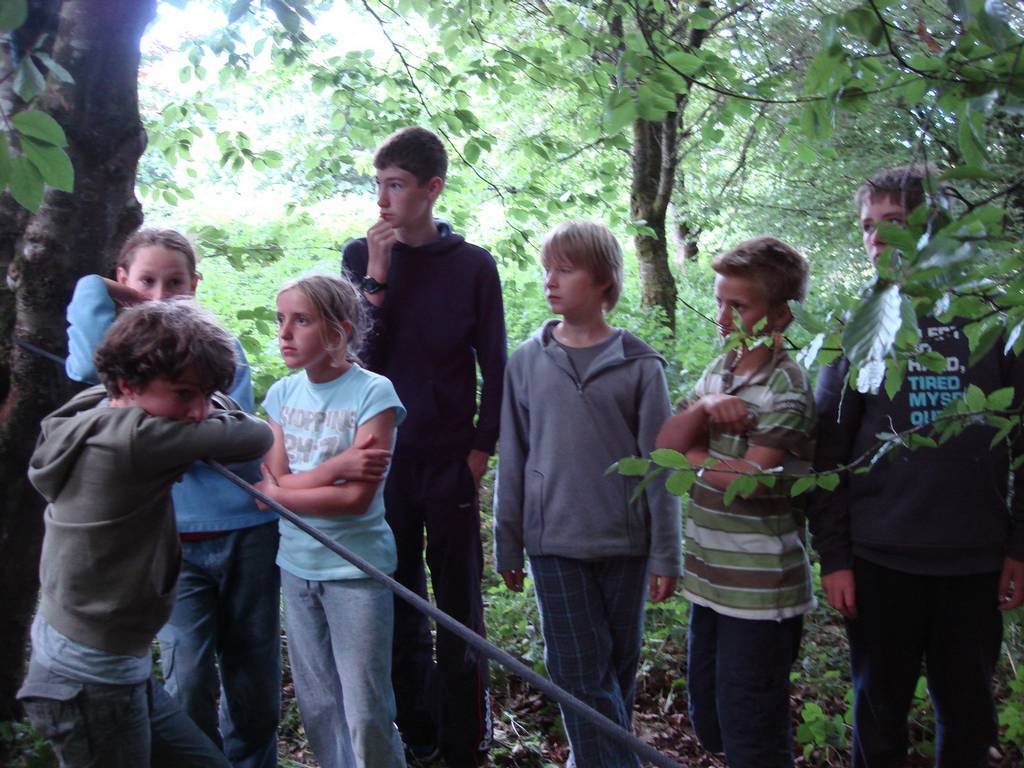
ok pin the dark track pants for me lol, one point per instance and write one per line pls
(444, 703)
(953, 625)
(738, 681)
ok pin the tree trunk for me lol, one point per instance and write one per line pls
(688, 247)
(70, 235)
(653, 158)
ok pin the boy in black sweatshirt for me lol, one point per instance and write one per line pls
(436, 310)
(922, 553)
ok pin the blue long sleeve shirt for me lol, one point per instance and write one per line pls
(203, 500)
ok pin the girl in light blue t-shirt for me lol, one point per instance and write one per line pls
(339, 622)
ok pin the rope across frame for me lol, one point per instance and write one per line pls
(493, 652)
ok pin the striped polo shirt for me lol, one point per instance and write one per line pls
(748, 559)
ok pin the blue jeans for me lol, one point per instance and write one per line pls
(592, 615)
(951, 623)
(227, 617)
(339, 647)
(739, 686)
(91, 725)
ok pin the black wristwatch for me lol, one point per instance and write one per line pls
(368, 285)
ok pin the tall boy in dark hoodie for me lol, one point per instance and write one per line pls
(106, 461)
(435, 303)
(922, 553)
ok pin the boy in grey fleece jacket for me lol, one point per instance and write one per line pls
(578, 396)
(105, 462)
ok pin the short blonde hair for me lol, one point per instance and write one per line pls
(779, 267)
(590, 246)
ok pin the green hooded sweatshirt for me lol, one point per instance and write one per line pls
(110, 554)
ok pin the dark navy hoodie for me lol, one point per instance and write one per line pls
(442, 315)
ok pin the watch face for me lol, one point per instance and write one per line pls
(369, 285)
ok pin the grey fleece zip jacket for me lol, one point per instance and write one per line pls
(110, 553)
(558, 436)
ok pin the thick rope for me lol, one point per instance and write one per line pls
(606, 726)
(28, 345)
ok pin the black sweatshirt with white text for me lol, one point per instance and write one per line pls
(933, 511)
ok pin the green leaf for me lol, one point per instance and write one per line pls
(917, 440)
(933, 361)
(705, 14)
(1001, 399)
(40, 126)
(666, 457)
(968, 141)
(679, 483)
(632, 466)
(975, 398)
(734, 487)
(5, 161)
(862, 22)
(898, 237)
(1002, 434)
(871, 330)
(684, 62)
(471, 151)
(969, 172)
(895, 373)
(806, 153)
(819, 73)
(829, 482)
(468, 118)
(303, 11)
(28, 80)
(53, 67)
(289, 19)
(238, 10)
(620, 111)
(642, 485)
(26, 184)
(12, 14)
(805, 318)
(52, 162)
(802, 485)
(982, 336)
(816, 121)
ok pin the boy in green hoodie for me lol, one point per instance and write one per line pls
(105, 462)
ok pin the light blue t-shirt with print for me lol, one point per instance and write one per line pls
(320, 421)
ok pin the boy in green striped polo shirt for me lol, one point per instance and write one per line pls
(746, 569)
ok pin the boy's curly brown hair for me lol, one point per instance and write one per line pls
(164, 339)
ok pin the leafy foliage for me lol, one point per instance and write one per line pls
(39, 141)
